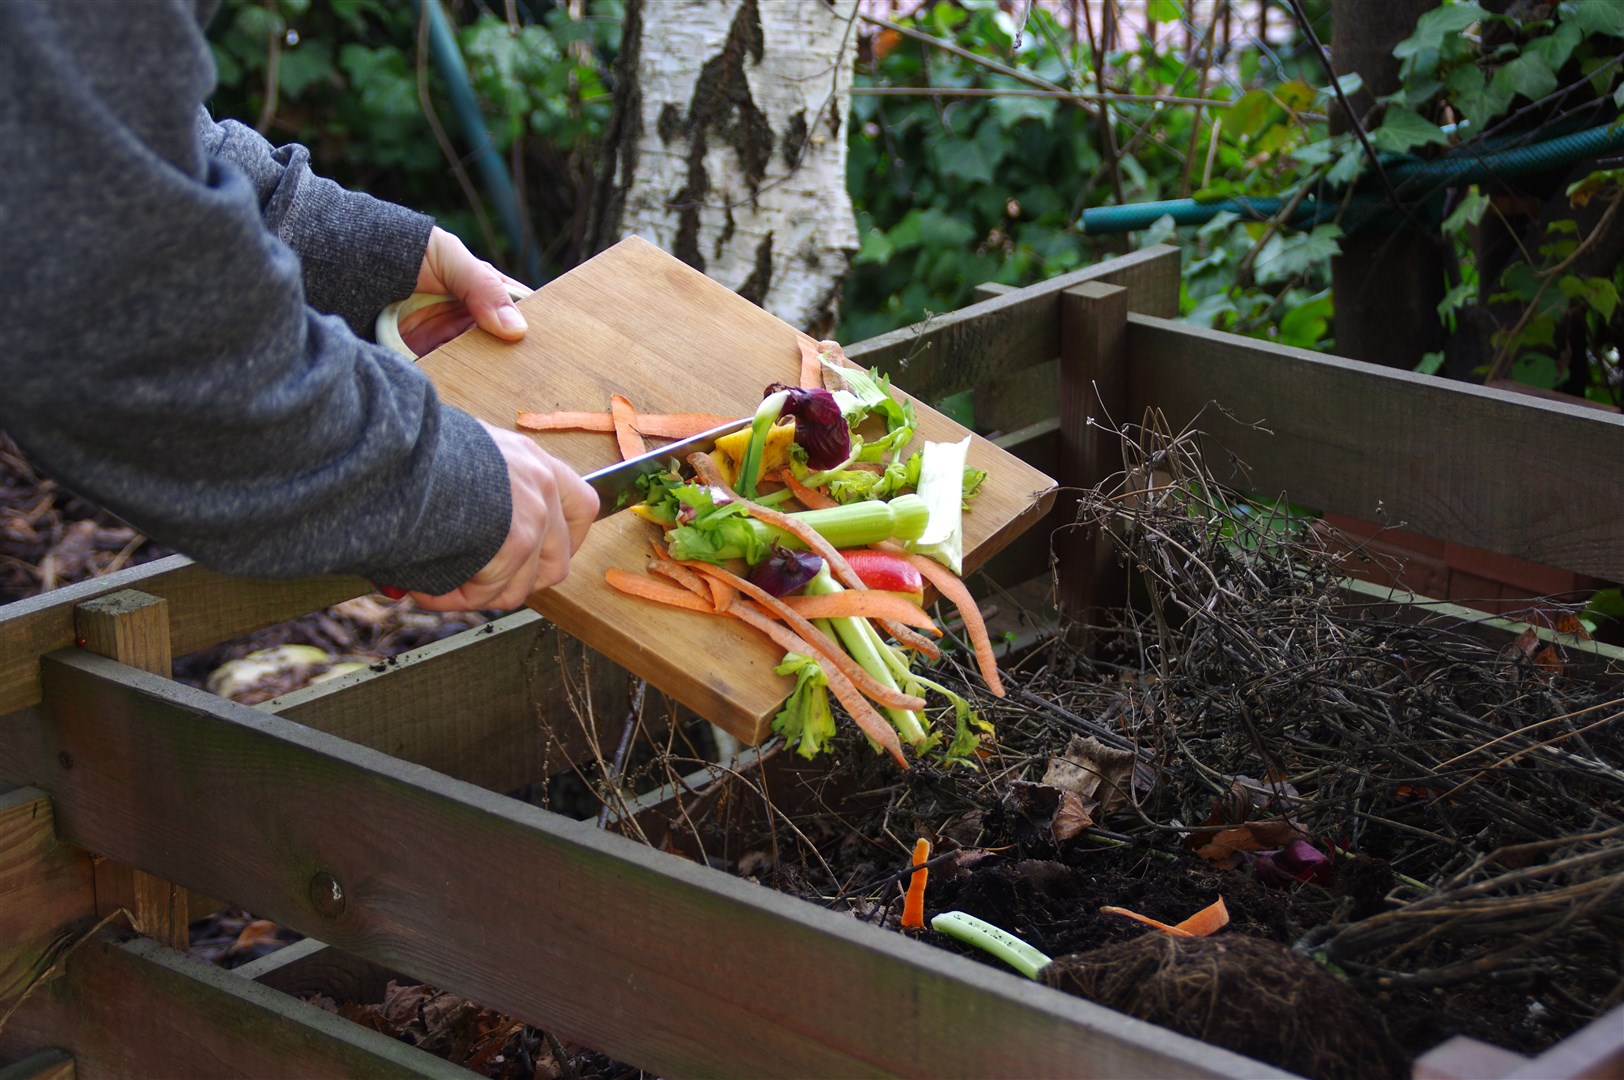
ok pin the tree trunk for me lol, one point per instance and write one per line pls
(728, 146)
(1387, 285)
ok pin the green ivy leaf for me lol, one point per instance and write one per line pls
(1469, 212)
(1597, 292)
(1430, 363)
(1287, 255)
(1164, 11)
(1593, 16)
(1554, 48)
(1526, 75)
(1305, 325)
(1010, 111)
(1248, 115)
(1535, 369)
(1435, 26)
(963, 158)
(1404, 128)
(876, 248)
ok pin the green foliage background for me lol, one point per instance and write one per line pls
(953, 191)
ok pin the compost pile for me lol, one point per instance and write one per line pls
(1428, 814)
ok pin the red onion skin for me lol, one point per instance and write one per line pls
(820, 428)
(783, 571)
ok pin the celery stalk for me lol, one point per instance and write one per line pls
(733, 536)
(865, 647)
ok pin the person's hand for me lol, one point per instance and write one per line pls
(552, 508)
(481, 293)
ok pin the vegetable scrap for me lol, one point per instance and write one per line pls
(913, 902)
(1209, 920)
(818, 527)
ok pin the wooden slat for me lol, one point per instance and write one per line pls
(994, 338)
(640, 954)
(138, 1009)
(1093, 402)
(494, 706)
(204, 608)
(314, 967)
(44, 887)
(1539, 480)
(132, 627)
(1594, 1053)
(49, 1064)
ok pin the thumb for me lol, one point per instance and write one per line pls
(484, 292)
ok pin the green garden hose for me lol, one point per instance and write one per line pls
(1463, 167)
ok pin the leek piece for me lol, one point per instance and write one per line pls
(1024, 958)
(941, 485)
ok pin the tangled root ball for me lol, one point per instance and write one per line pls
(1245, 994)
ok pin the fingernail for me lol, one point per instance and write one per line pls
(510, 318)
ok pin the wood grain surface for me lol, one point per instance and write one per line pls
(655, 960)
(637, 321)
(1539, 480)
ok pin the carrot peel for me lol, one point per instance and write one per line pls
(913, 903)
(1209, 920)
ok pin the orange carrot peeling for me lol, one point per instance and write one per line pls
(1209, 920)
(867, 718)
(566, 420)
(626, 434)
(869, 604)
(913, 903)
(817, 639)
(948, 584)
(811, 366)
(811, 498)
(648, 588)
(678, 425)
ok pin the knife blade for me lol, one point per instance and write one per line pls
(616, 484)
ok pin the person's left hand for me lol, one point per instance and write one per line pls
(481, 293)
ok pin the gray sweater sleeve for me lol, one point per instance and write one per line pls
(159, 352)
(357, 253)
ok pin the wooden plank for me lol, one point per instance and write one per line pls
(204, 608)
(132, 627)
(991, 339)
(1594, 1053)
(643, 955)
(314, 967)
(635, 320)
(1583, 658)
(51, 1064)
(1539, 480)
(135, 1009)
(1463, 1058)
(495, 706)
(1093, 405)
(44, 886)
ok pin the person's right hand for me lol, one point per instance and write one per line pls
(552, 508)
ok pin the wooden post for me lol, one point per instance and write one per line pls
(1093, 398)
(132, 627)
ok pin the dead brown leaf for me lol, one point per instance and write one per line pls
(1094, 772)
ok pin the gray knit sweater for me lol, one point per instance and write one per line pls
(178, 338)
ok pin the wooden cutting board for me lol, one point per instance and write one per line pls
(639, 322)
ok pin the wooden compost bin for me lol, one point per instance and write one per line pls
(365, 813)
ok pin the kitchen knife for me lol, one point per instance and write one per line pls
(616, 485)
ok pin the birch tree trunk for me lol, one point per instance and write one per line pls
(728, 146)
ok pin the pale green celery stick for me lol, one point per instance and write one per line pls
(941, 485)
(987, 937)
(767, 413)
(857, 636)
